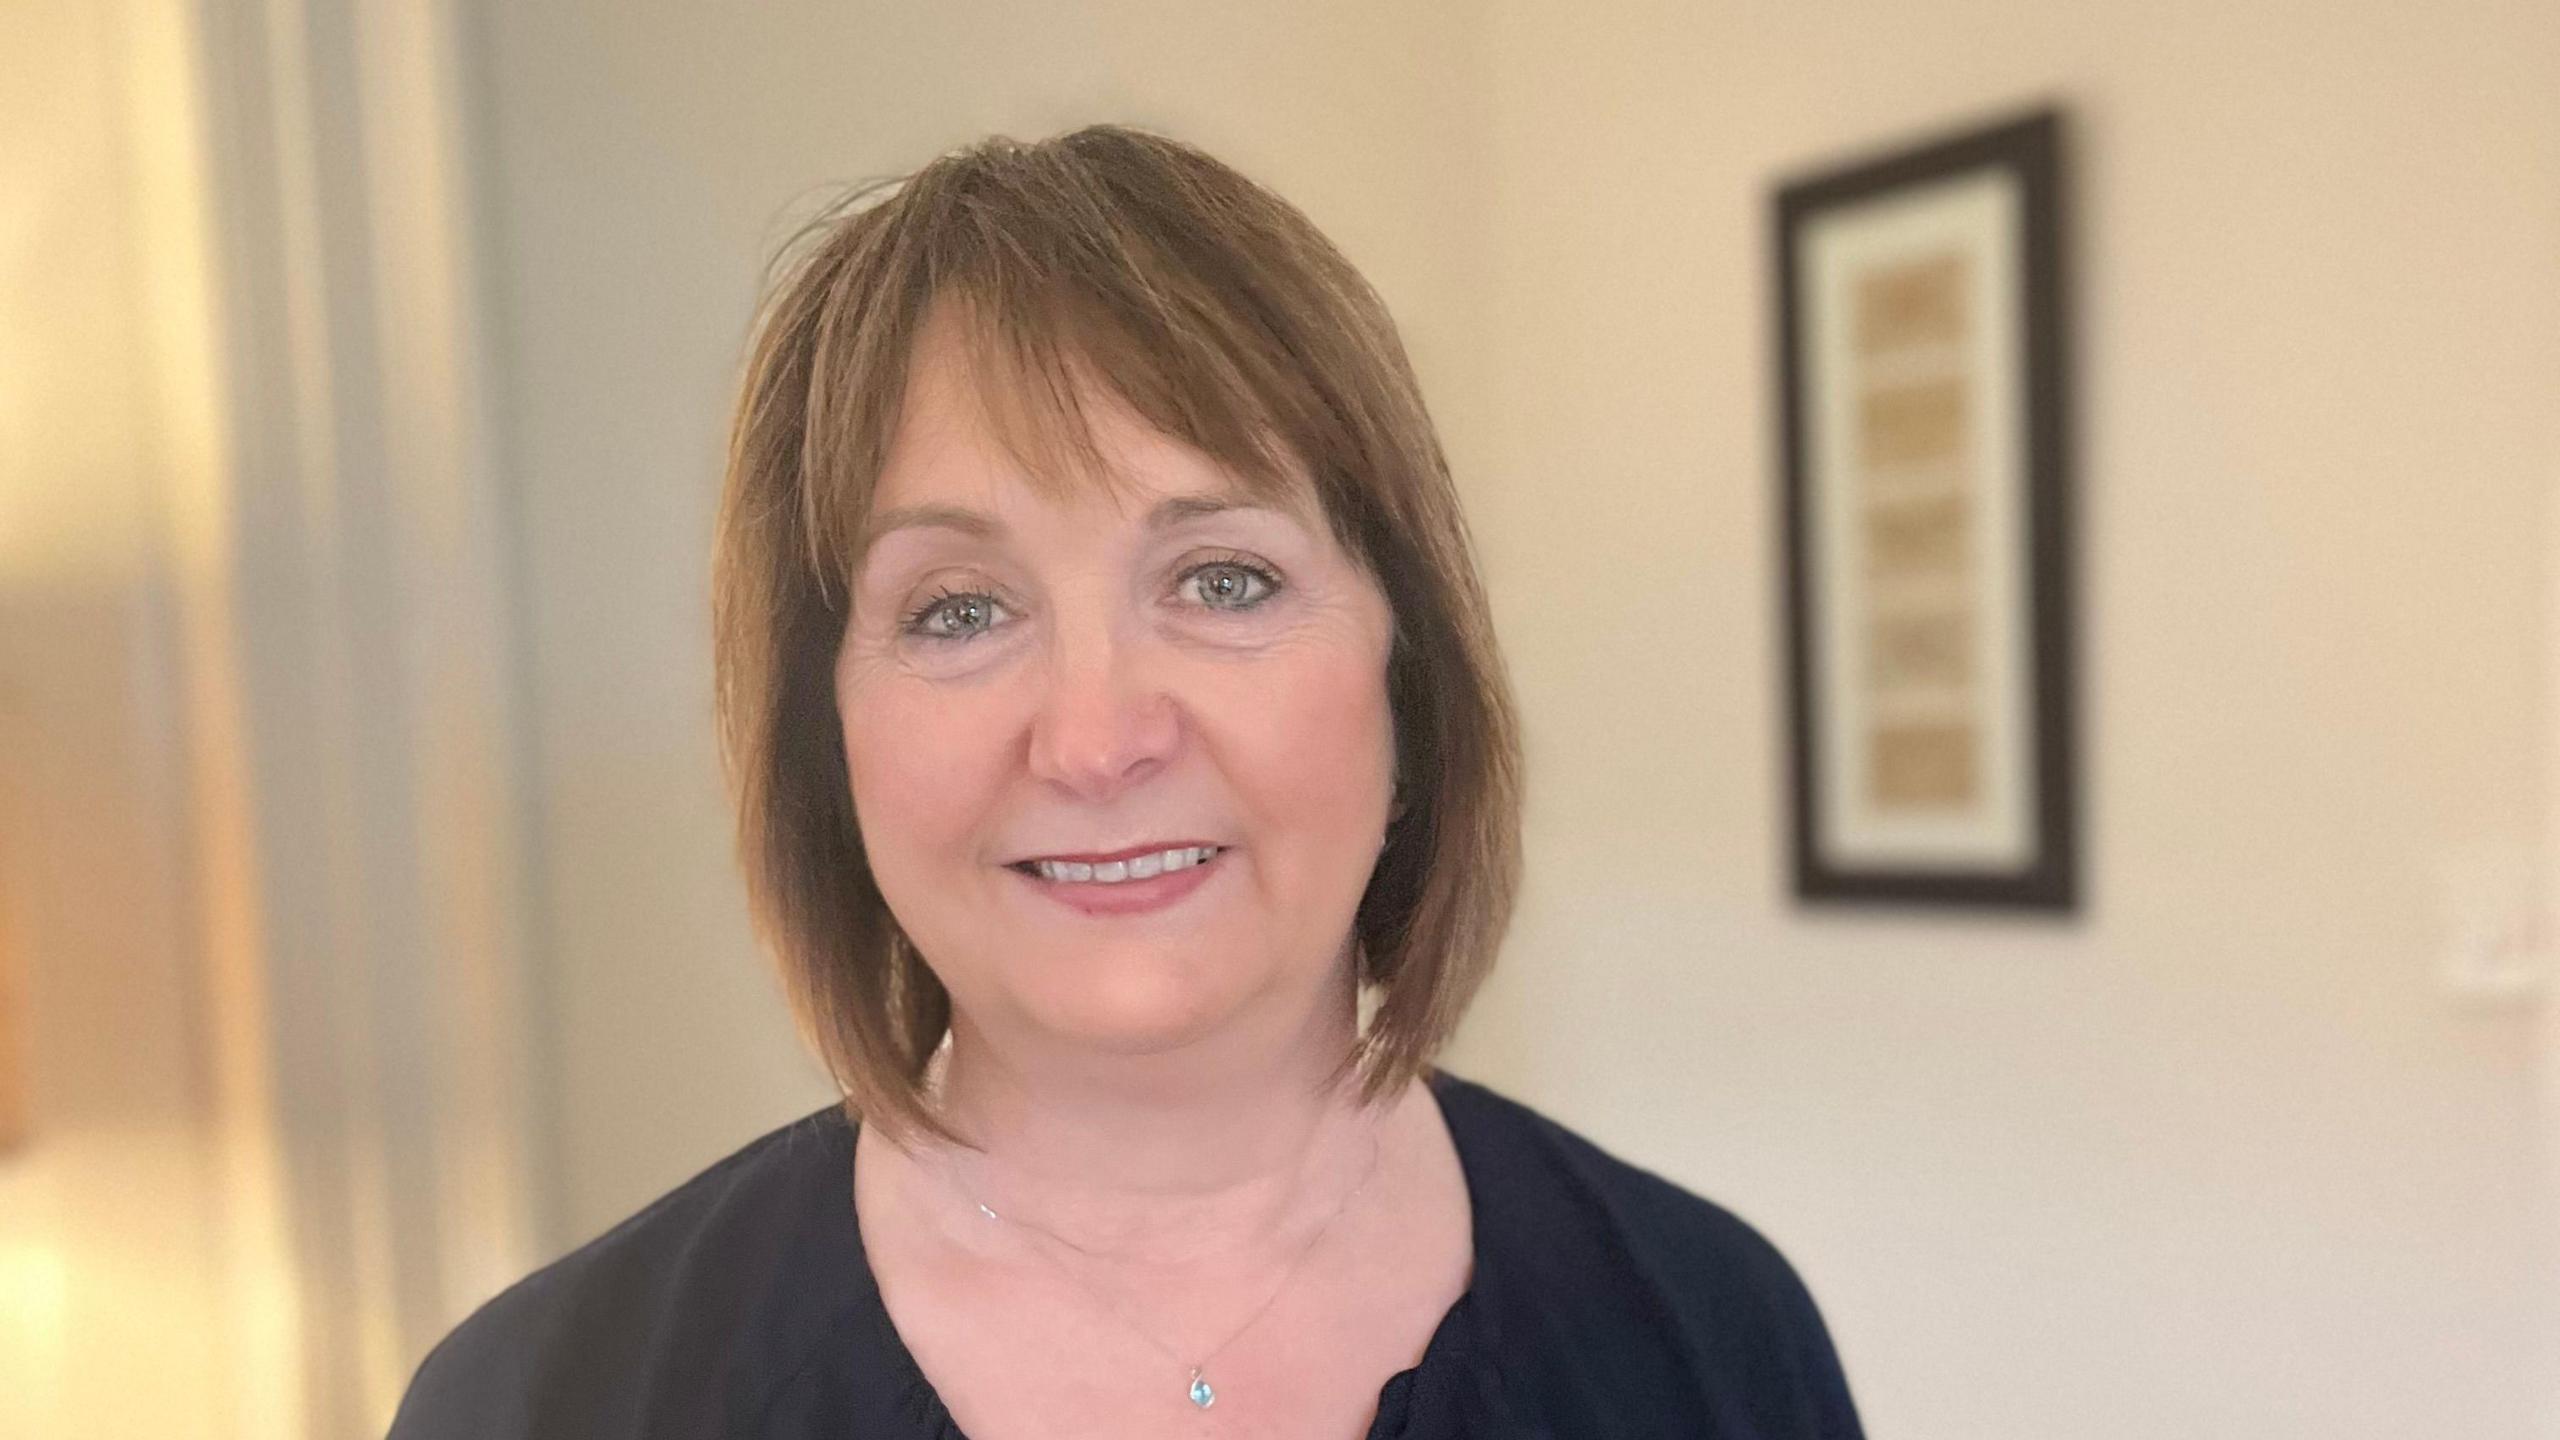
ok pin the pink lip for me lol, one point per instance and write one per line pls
(1156, 847)
(1129, 897)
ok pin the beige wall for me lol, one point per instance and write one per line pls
(2223, 1159)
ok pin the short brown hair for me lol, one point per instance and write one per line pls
(1221, 316)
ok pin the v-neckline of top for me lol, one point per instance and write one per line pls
(1466, 1325)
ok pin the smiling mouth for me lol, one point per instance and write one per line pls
(1145, 866)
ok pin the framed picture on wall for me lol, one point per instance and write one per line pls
(1924, 408)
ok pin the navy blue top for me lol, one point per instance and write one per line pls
(1605, 1301)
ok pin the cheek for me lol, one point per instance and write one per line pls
(922, 770)
(1317, 752)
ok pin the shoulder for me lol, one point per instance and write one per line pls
(1589, 1249)
(700, 1301)
(1534, 1163)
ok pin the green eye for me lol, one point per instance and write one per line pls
(949, 615)
(1231, 584)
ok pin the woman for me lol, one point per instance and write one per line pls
(1113, 709)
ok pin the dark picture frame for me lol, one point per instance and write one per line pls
(1924, 413)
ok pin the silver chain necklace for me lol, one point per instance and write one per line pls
(1201, 1393)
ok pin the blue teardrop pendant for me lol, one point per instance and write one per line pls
(1201, 1394)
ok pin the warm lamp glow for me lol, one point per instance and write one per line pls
(35, 1304)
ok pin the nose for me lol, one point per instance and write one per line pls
(1105, 722)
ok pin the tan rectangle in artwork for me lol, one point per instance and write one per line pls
(1923, 537)
(1916, 303)
(1920, 648)
(1923, 766)
(1916, 423)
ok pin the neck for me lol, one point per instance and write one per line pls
(1219, 1144)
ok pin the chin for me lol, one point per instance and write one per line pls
(1133, 1007)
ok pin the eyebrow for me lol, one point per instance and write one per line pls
(1166, 515)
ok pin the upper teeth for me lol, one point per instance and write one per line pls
(1112, 872)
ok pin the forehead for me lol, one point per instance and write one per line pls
(980, 429)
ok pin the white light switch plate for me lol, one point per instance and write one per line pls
(2497, 923)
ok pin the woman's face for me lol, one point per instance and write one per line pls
(1041, 695)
